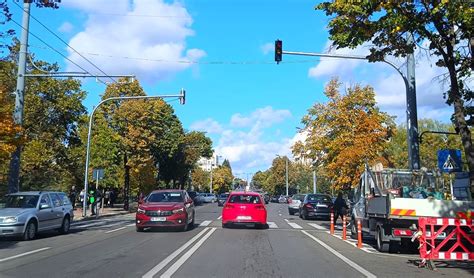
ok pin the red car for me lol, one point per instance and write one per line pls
(244, 208)
(165, 208)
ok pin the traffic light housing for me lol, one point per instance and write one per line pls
(182, 98)
(278, 50)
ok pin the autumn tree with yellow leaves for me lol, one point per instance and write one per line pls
(8, 129)
(345, 132)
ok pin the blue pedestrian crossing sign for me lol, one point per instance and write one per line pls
(449, 160)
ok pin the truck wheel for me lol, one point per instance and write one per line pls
(381, 245)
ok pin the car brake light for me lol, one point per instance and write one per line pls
(260, 207)
(228, 206)
(402, 232)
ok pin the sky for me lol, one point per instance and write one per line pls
(222, 53)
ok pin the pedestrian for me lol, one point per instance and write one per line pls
(72, 196)
(107, 197)
(112, 197)
(93, 199)
(81, 197)
(340, 207)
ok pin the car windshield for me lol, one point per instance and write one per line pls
(244, 199)
(223, 195)
(165, 197)
(319, 198)
(21, 201)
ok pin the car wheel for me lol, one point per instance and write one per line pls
(30, 231)
(303, 215)
(65, 226)
(191, 225)
(186, 226)
(291, 212)
(224, 225)
(139, 229)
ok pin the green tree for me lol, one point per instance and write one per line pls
(200, 179)
(345, 133)
(446, 25)
(222, 179)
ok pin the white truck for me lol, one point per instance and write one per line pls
(389, 202)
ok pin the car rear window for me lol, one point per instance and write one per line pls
(166, 197)
(319, 198)
(244, 199)
(224, 195)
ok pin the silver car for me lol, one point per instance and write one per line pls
(27, 213)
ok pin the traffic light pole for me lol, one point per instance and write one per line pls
(412, 121)
(181, 96)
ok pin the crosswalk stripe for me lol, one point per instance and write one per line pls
(205, 223)
(272, 225)
(294, 225)
(314, 225)
(90, 225)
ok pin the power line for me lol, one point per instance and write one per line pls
(58, 37)
(57, 51)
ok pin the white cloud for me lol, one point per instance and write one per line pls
(388, 84)
(208, 125)
(247, 141)
(267, 48)
(133, 44)
(263, 117)
(66, 27)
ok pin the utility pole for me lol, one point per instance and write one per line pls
(412, 117)
(14, 175)
(286, 175)
(314, 181)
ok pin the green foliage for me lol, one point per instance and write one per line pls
(200, 179)
(222, 179)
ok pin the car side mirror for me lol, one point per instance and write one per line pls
(44, 206)
(141, 201)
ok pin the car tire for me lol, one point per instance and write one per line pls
(303, 215)
(65, 226)
(224, 225)
(291, 212)
(30, 230)
(186, 226)
(191, 225)
(139, 229)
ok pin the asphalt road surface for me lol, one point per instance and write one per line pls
(290, 247)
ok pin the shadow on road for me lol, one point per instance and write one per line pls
(463, 265)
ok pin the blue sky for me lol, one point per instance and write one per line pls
(221, 52)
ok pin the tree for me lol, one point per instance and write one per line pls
(446, 25)
(260, 180)
(226, 163)
(222, 179)
(200, 179)
(345, 133)
(8, 129)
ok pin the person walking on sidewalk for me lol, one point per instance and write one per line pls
(340, 207)
(72, 196)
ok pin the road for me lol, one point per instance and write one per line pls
(291, 247)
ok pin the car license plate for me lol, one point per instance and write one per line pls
(321, 206)
(158, 219)
(241, 217)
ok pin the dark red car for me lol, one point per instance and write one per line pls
(243, 208)
(165, 208)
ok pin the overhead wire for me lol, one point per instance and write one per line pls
(73, 49)
(57, 51)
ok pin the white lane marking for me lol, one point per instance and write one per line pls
(286, 220)
(173, 255)
(86, 221)
(90, 225)
(272, 225)
(294, 225)
(24, 254)
(118, 229)
(279, 214)
(186, 256)
(314, 225)
(130, 225)
(205, 223)
(220, 217)
(340, 256)
(114, 224)
(352, 242)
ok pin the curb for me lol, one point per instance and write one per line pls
(100, 216)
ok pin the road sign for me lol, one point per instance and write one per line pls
(98, 173)
(449, 161)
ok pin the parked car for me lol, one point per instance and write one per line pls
(266, 198)
(274, 199)
(294, 203)
(316, 205)
(283, 199)
(197, 199)
(244, 208)
(27, 213)
(222, 198)
(166, 208)
(208, 197)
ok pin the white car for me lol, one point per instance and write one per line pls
(294, 203)
(208, 197)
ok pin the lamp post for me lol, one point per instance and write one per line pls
(181, 96)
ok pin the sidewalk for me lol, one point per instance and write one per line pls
(104, 212)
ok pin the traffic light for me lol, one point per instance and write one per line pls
(278, 50)
(182, 98)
